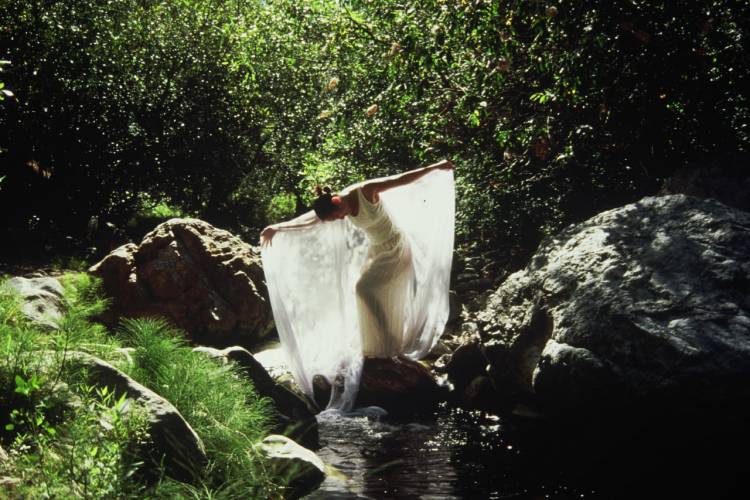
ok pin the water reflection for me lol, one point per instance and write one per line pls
(457, 454)
(461, 454)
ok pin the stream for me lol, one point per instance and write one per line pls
(458, 454)
(467, 454)
(455, 453)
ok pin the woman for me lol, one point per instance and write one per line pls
(328, 207)
(399, 295)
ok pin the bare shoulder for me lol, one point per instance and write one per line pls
(369, 189)
(353, 187)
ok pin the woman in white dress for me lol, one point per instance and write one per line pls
(372, 281)
(387, 276)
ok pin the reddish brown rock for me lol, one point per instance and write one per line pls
(203, 279)
(399, 385)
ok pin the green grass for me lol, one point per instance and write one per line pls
(70, 263)
(216, 401)
(64, 451)
(60, 450)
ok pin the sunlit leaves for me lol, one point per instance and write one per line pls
(229, 107)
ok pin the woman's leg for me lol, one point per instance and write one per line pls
(372, 317)
(381, 301)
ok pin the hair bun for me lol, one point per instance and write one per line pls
(322, 190)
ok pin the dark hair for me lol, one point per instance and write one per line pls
(323, 204)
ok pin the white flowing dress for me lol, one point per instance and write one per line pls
(386, 284)
(375, 284)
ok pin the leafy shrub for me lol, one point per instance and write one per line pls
(60, 449)
(92, 454)
(23, 389)
(551, 112)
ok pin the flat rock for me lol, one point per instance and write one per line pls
(42, 299)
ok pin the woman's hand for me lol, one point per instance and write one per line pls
(444, 165)
(267, 235)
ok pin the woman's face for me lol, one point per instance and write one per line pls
(340, 212)
(341, 209)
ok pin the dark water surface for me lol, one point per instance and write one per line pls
(462, 454)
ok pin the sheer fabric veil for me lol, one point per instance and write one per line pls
(311, 276)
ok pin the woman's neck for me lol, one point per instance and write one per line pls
(352, 202)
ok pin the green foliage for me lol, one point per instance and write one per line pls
(3, 91)
(123, 97)
(93, 454)
(90, 449)
(69, 263)
(282, 206)
(231, 109)
(150, 207)
(60, 450)
(21, 391)
(162, 210)
(83, 300)
(551, 114)
(216, 401)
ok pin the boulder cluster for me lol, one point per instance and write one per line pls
(643, 306)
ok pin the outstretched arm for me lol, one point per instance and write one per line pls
(371, 189)
(305, 220)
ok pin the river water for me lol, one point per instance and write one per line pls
(463, 454)
(456, 454)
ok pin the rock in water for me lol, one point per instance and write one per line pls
(42, 299)
(466, 363)
(399, 385)
(647, 302)
(302, 468)
(205, 280)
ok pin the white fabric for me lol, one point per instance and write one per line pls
(312, 277)
(385, 283)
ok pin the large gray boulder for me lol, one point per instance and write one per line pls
(205, 280)
(647, 302)
(173, 442)
(42, 299)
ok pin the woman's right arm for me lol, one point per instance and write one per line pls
(303, 221)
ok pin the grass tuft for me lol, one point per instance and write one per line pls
(215, 399)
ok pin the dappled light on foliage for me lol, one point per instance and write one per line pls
(551, 112)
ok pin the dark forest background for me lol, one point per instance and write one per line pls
(119, 111)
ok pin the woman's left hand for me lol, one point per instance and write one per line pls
(444, 165)
(267, 235)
